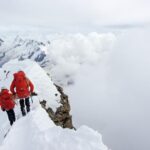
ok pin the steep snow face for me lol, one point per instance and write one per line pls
(36, 131)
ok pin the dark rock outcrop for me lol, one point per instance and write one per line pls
(1, 41)
(62, 116)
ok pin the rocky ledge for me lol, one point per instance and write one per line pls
(62, 115)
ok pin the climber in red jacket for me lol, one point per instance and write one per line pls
(7, 104)
(22, 88)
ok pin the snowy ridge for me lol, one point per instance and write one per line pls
(43, 86)
(42, 82)
(36, 131)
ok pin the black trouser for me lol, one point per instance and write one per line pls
(11, 116)
(24, 102)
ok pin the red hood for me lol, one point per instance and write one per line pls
(4, 91)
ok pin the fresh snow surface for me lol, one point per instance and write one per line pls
(37, 132)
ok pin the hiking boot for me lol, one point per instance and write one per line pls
(28, 109)
(11, 122)
(23, 112)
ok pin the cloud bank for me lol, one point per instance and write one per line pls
(113, 97)
(69, 52)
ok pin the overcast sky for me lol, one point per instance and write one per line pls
(71, 13)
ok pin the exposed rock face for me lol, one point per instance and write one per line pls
(61, 117)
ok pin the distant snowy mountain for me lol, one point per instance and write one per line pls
(36, 130)
(60, 55)
(21, 49)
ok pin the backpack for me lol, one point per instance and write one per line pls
(21, 82)
(6, 97)
(6, 100)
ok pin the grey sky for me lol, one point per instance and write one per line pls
(68, 13)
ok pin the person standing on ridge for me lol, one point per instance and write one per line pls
(22, 88)
(7, 104)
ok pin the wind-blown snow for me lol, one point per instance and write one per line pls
(36, 131)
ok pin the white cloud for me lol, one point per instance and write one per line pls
(66, 52)
(69, 52)
(113, 97)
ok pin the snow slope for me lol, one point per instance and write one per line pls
(36, 131)
(42, 82)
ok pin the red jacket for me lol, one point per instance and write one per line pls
(22, 88)
(6, 100)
